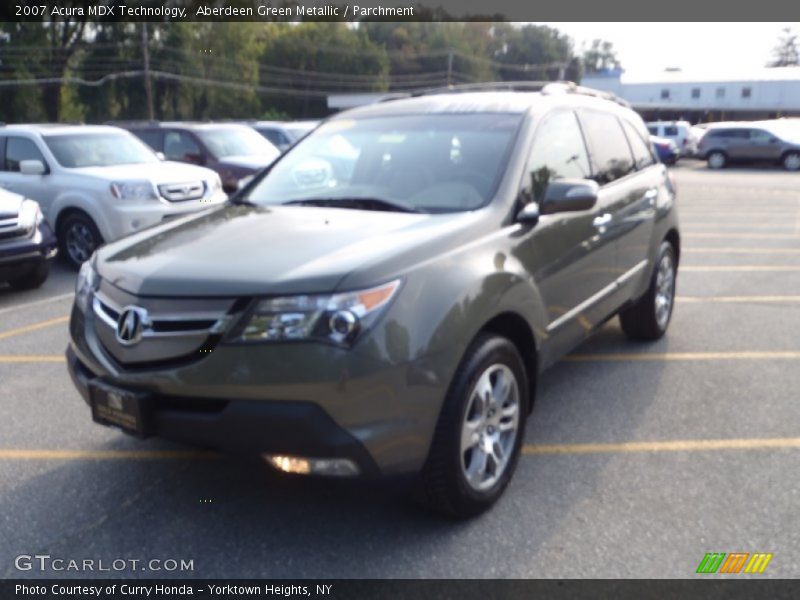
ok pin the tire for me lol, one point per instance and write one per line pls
(445, 485)
(33, 279)
(649, 317)
(78, 237)
(716, 160)
(791, 161)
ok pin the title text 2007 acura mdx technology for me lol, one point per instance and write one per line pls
(385, 298)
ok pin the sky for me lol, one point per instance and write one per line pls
(645, 49)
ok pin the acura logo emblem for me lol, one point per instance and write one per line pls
(130, 324)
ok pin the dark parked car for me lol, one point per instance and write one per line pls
(233, 151)
(666, 150)
(27, 244)
(391, 312)
(283, 134)
(776, 142)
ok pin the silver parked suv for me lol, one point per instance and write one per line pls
(97, 184)
(777, 142)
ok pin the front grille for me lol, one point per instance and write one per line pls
(169, 329)
(9, 228)
(182, 192)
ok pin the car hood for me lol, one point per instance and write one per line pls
(160, 172)
(250, 163)
(243, 250)
(9, 204)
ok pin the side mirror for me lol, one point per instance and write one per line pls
(569, 195)
(32, 167)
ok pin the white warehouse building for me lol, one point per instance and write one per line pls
(674, 94)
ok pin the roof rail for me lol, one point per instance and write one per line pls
(569, 87)
(488, 86)
(545, 87)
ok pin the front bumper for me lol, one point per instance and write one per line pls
(19, 256)
(307, 400)
(246, 426)
(127, 218)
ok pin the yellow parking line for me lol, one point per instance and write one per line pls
(736, 299)
(736, 268)
(686, 356)
(712, 250)
(36, 454)
(727, 236)
(31, 358)
(20, 330)
(665, 446)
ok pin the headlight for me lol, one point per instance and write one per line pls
(133, 190)
(87, 283)
(338, 318)
(29, 215)
(215, 184)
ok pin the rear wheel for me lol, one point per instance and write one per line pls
(717, 160)
(791, 161)
(78, 237)
(480, 430)
(33, 279)
(649, 317)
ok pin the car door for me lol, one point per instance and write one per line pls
(624, 202)
(764, 145)
(567, 253)
(16, 149)
(635, 213)
(738, 146)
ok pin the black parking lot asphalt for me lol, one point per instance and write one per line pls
(639, 459)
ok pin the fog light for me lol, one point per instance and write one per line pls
(338, 467)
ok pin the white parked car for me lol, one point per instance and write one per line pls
(680, 132)
(96, 184)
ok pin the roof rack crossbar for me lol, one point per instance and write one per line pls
(545, 87)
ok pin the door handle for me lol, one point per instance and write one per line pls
(602, 220)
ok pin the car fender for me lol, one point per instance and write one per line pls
(83, 201)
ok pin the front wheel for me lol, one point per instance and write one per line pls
(480, 430)
(33, 279)
(717, 160)
(791, 161)
(79, 238)
(649, 317)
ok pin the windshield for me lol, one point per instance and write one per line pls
(98, 150)
(235, 141)
(432, 163)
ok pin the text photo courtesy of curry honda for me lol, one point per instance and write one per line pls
(306, 281)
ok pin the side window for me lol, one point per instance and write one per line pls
(151, 138)
(653, 129)
(178, 144)
(642, 156)
(19, 149)
(670, 131)
(611, 155)
(759, 135)
(276, 137)
(558, 152)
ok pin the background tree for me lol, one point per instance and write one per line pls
(785, 53)
(600, 56)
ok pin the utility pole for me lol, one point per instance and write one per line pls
(450, 66)
(148, 90)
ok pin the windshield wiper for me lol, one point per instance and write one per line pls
(379, 204)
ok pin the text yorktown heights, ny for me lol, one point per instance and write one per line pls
(265, 10)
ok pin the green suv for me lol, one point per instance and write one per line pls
(384, 298)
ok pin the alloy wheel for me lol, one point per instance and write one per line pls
(490, 427)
